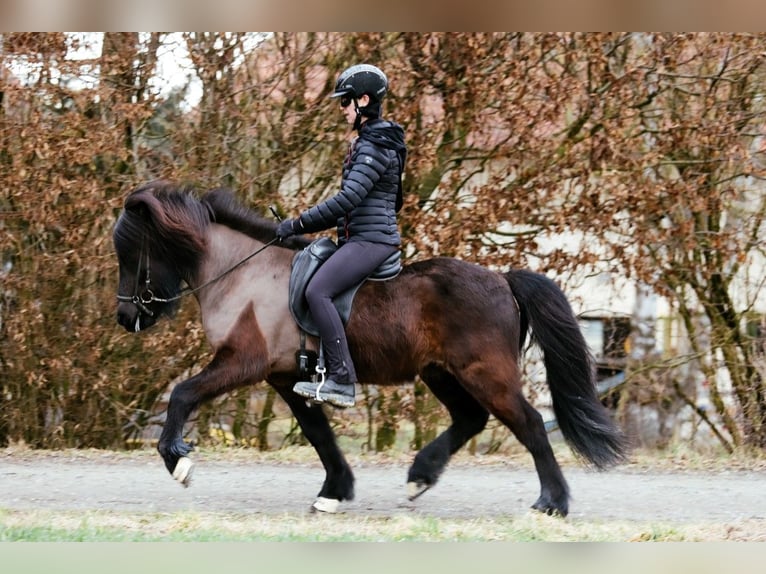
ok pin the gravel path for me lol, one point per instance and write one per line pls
(141, 484)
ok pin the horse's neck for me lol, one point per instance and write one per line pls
(226, 248)
(253, 284)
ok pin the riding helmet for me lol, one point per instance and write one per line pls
(361, 79)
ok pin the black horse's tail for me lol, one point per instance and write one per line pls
(585, 423)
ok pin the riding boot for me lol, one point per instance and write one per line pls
(339, 387)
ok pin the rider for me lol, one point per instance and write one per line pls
(364, 212)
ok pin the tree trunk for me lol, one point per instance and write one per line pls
(267, 415)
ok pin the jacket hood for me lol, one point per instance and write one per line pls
(389, 135)
(384, 133)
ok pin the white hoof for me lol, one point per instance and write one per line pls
(328, 505)
(415, 489)
(183, 470)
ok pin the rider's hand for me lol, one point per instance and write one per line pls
(287, 228)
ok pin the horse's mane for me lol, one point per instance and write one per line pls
(179, 218)
(166, 220)
(227, 210)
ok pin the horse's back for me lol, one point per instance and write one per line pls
(455, 279)
(438, 283)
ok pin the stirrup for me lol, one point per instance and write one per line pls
(312, 396)
(320, 370)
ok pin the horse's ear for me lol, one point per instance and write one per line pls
(134, 203)
(140, 203)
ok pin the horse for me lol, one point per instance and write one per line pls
(459, 326)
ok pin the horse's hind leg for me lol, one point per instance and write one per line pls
(503, 398)
(339, 479)
(468, 419)
(529, 428)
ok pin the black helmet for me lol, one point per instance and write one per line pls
(359, 80)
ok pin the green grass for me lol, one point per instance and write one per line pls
(75, 526)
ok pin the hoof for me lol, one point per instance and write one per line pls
(550, 510)
(328, 505)
(183, 471)
(416, 489)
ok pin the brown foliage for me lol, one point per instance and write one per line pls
(647, 147)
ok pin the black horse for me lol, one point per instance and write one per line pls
(459, 326)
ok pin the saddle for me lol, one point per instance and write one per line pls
(305, 264)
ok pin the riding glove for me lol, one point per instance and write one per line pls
(288, 227)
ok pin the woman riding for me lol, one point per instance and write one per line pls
(364, 213)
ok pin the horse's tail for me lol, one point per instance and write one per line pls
(585, 423)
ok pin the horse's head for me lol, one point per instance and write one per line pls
(158, 240)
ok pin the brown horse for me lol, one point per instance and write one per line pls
(459, 326)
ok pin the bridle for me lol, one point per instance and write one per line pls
(147, 296)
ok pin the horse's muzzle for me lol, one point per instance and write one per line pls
(131, 318)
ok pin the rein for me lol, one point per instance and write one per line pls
(147, 296)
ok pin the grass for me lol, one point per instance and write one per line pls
(99, 526)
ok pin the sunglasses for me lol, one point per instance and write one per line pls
(345, 101)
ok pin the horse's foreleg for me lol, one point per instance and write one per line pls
(223, 374)
(468, 419)
(171, 446)
(339, 479)
(239, 362)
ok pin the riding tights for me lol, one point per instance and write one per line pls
(349, 265)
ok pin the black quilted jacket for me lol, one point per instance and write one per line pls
(365, 208)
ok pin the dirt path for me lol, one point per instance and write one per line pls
(141, 484)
